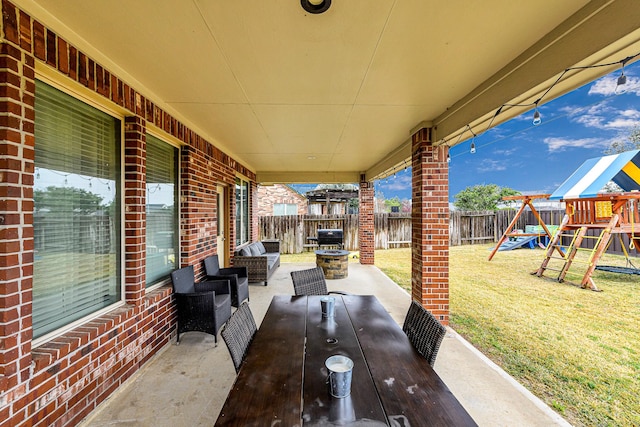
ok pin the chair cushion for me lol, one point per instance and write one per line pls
(222, 300)
(261, 247)
(255, 251)
(183, 280)
(272, 258)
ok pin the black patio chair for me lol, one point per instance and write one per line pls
(238, 334)
(203, 306)
(311, 282)
(424, 331)
(238, 278)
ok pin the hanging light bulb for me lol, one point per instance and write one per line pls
(448, 157)
(473, 146)
(536, 117)
(621, 86)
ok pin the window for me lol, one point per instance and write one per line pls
(285, 209)
(242, 211)
(162, 203)
(77, 210)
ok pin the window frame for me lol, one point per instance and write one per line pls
(286, 206)
(242, 182)
(82, 94)
(151, 130)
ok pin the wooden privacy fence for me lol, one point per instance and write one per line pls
(394, 229)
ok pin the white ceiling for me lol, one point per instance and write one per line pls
(299, 97)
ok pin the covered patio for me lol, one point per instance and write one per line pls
(135, 134)
(187, 384)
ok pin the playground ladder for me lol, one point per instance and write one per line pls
(568, 257)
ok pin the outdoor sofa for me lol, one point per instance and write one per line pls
(261, 259)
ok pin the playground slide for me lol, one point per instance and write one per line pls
(516, 243)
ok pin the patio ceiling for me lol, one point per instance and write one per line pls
(299, 97)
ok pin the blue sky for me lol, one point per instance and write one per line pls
(537, 159)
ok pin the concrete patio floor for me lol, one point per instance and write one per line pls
(186, 384)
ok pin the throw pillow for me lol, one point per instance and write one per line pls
(255, 251)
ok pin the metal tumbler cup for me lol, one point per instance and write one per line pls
(340, 369)
(328, 307)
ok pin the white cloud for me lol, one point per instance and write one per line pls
(400, 182)
(505, 151)
(603, 117)
(491, 166)
(561, 144)
(607, 85)
(622, 123)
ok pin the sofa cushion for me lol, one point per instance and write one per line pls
(272, 258)
(261, 248)
(255, 250)
(245, 251)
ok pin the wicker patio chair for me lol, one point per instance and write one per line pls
(238, 278)
(311, 282)
(238, 334)
(424, 331)
(203, 306)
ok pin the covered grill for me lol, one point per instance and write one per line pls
(330, 236)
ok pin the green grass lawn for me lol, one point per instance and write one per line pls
(576, 349)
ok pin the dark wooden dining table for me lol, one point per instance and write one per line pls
(283, 380)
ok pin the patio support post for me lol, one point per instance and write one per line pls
(366, 232)
(430, 225)
(135, 199)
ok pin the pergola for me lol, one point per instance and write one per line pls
(277, 94)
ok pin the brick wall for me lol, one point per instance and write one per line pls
(61, 381)
(17, 90)
(269, 195)
(430, 225)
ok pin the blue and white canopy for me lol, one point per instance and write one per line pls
(594, 174)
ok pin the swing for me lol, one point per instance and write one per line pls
(630, 268)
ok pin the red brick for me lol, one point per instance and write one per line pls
(39, 47)
(63, 56)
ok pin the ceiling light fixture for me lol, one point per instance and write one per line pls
(315, 6)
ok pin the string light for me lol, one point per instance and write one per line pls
(537, 118)
(473, 141)
(621, 84)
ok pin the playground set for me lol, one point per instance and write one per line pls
(586, 208)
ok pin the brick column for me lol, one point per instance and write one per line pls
(366, 232)
(430, 225)
(135, 194)
(17, 89)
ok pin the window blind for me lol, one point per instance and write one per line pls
(162, 200)
(77, 210)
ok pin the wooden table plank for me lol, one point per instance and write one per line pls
(268, 388)
(410, 390)
(325, 338)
